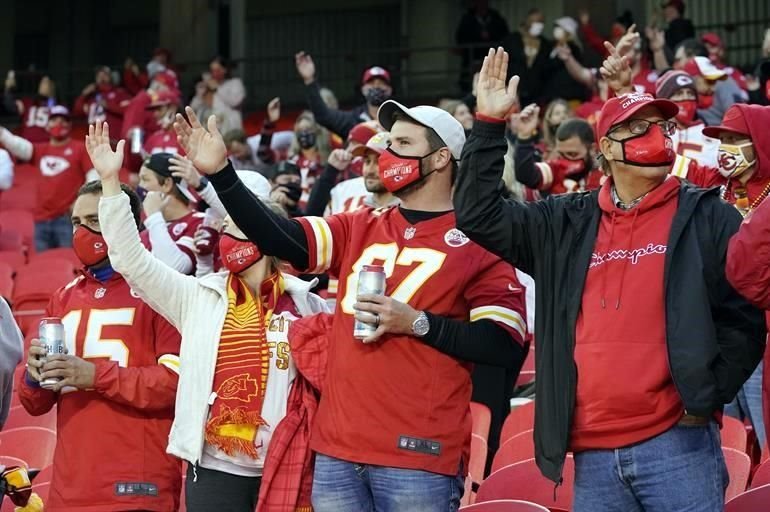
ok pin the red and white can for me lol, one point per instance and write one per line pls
(51, 335)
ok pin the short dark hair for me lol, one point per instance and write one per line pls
(576, 128)
(692, 48)
(95, 187)
(235, 135)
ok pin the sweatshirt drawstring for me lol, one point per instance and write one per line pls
(606, 270)
(625, 260)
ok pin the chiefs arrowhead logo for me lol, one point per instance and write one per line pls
(53, 165)
(239, 387)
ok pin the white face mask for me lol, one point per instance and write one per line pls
(732, 160)
(559, 34)
(536, 29)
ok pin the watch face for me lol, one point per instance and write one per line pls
(421, 326)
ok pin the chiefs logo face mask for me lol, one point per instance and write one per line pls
(732, 160)
(651, 149)
(237, 254)
(59, 132)
(397, 171)
(687, 110)
(89, 246)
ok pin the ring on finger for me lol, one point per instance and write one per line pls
(376, 320)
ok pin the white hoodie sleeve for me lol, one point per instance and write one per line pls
(19, 147)
(6, 170)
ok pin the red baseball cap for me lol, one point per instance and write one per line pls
(702, 66)
(377, 143)
(163, 98)
(361, 133)
(711, 38)
(618, 109)
(733, 121)
(375, 72)
(167, 78)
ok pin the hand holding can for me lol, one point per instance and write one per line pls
(371, 280)
(51, 334)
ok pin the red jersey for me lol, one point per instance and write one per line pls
(309, 171)
(163, 141)
(182, 232)
(63, 171)
(111, 441)
(555, 180)
(644, 80)
(399, 402)
(136, 114)
(34, 118)
(102, 106)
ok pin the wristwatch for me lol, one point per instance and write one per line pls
(421, 325)
(203, 184)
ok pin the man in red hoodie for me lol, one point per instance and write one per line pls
(640, 339)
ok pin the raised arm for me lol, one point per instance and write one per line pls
(616, 69)
(334, 120)
(19, 147)
(275, 235)
(506, 228)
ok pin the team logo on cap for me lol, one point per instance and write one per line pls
(455, 238)
(683, 80)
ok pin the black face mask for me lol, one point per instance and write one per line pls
(376, 96)
(293, 190)
(306, 140)
(142, 193)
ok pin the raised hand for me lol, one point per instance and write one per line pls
(528, 121)
(205, 148)
(305, 67)
(340, 159)
(274, 110)
(626, 43)
(616, 70)
(106, 161)
(182, 167)
(493, 97)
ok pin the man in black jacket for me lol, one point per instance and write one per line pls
(375, 87)
(629, 378)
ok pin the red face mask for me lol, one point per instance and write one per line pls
(687, 109)
(397, 172)
(59, 131)
(89, 246)
(705, 100)
(570, 167)
(237, 254)
(651, 149)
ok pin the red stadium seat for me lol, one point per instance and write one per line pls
(755, 500)
(739, 469)
(9, 462)
(33, 289)
(16, 259)
(476, 465)
(34, 445)
(56, 256)
(761, 475)
(525, 377)
(733, 433)
(516, 449)
(21, 196)
(521, 418)
(11, 241)
(482, 418)
(25, 174)
(523, 481)
(505, 506)
(19, 417)
(22, 222)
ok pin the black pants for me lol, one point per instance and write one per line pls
(220, 492)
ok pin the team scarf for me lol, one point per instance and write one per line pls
(243, 363)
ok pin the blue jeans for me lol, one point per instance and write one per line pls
(341, 486)
(53, 233)
(679, 470)
(748, 404)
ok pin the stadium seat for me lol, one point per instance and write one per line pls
(34, 445)
(11, 461)
(516, 449)
(755, 500)
(19, 417)
(11, 241)
(22, 222)
(482, 418)
(25, 174)
(21, 196)
(16, 259)
(476, 465)
(523, 481)
(521, 418)
(505, 506)
(761, 475)
(739, 469)
(6, 281)
(55, 256)
(733, 433)
(33, 289)
(525, 377)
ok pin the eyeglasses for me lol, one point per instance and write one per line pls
(640, 126)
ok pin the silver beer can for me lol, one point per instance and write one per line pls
(137, 140)
(51, 335)
(371, 281)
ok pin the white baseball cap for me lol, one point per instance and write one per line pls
(256, 183)
(442, 122)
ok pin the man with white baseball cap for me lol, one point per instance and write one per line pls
(445, 303)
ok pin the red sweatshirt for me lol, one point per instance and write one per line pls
(625, 393)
